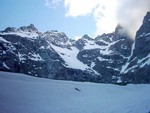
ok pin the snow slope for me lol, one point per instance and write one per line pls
(25, 94)
(70, 57)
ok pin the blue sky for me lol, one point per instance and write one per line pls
(16, 13)
(74, 17)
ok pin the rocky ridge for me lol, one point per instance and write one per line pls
(109, 58)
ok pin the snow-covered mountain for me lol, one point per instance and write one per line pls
(50, 54)
(109, 58)
(106, 53)
(20, 93)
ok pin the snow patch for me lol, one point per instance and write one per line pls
(105, 49)
(102, 59)
(124, 67)
(70, 57)
(31, 56)
(143, 34)
(42, 47)
(131, 68)
(92, 64)
(90, 45)
(144, 61)
(4, 65)
(116, 69)
(35, 57)
(141, 63)
(21, 57)
(3, 40)
(119, 80)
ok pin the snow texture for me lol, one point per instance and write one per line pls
(25, 94)
(90, 44)
(124, 67)
(3, 40)
(145, 61)
(70, 57)
(35, 57)
(31, 56)
(4, 65)
(105, 49)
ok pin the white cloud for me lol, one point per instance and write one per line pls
(108, 13)
(77, 37)
(47, 3)
(79, 7)
(52, 3)
(105, 16)
(103, 12)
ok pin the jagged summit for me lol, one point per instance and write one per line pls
(29, 28)
(118, 29)
(145, 27)
(24, 31)
(57, 38)
(10, 29)
(87, 37)
(121, 31)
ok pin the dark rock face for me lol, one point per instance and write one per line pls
(22, 55)
(109, 58)
(82, 42)
(138, 66)
(57, 38)
(113, 51)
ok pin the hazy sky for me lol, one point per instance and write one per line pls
(74, 17)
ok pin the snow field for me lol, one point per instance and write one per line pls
(25, 94)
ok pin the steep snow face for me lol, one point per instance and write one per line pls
(70, 57)
(24, 94)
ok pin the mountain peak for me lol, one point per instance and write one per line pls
(119, 29)
(145, 28)
(147, 18)
(10, 29)
(87, 37)
(30, 28)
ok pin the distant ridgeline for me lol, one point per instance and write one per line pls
(109, 58)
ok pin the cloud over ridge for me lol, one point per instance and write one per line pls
(108, 13)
